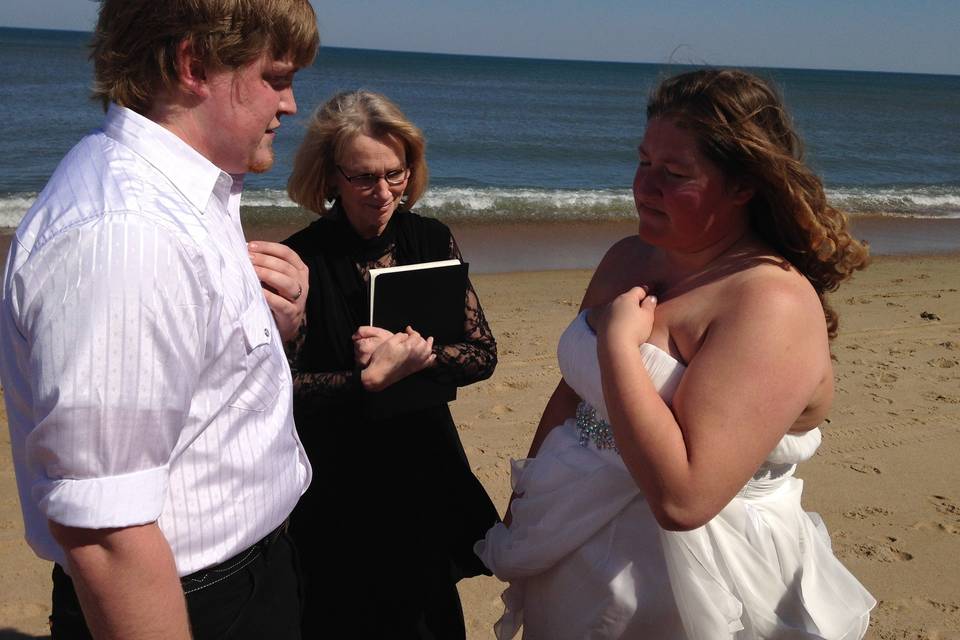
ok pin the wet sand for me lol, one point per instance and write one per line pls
(580, 245)
(500, 248)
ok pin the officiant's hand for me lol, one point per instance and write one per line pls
(285, 281)
(366, 340)
(401, 355)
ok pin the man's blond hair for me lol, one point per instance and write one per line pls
(134, 48)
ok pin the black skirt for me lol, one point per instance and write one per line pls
(388, 525)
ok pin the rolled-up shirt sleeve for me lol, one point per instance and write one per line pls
(114, 316)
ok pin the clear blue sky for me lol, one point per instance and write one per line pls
(878, 35)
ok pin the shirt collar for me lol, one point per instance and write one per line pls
(190, 172)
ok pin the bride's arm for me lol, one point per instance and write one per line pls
(762, 359)
(561, 405)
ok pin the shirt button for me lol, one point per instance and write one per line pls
(266, 332)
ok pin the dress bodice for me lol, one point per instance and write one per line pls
(577, 356)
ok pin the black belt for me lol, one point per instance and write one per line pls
(219, 572)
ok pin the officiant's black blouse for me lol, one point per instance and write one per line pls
(462, 363)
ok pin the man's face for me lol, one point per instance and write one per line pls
(245, 106)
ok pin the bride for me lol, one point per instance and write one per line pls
(659, 500)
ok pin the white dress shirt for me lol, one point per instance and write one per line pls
(143, 372)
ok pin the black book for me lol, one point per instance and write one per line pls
(431, 298)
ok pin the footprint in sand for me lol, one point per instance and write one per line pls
(859, 467)
(944, 607)
(940, 397)
(879, 553)
(885, 551)
(945, 505)
(943, 527)
(517, 384)
(500, 409)
(866, 513)
(900, 352)
(884, 377)
(916, 605)
(943, 363)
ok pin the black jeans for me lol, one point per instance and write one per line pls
(254, 595)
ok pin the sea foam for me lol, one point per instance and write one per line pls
(505, 205)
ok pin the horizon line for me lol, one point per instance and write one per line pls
(547, 58)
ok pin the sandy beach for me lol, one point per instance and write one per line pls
(885, 480)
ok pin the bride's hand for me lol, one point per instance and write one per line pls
(627, 319)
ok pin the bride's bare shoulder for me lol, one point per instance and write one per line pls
(618, 271)
(628, 253)
(771, 295)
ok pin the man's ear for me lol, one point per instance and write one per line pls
(192, 74)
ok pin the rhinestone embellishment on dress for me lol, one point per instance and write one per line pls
(592, 429)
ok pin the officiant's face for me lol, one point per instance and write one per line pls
(366, 174)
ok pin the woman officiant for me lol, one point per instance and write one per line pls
(387, 526)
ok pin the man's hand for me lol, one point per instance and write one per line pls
(126, 581)
(285, 280)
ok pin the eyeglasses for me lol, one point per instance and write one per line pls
(371, 180)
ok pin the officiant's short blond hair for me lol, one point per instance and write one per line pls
(332, 127)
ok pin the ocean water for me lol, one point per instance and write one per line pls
(519, 140)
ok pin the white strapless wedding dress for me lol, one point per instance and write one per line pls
(585, 557)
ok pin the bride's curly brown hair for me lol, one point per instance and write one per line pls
(742, 125)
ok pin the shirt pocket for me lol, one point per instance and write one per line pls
(262, 366)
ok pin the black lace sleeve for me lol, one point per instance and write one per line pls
(475, 358)
(316, 387)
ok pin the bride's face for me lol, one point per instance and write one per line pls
(683, 199)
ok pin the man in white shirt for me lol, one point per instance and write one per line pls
(148, 395)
